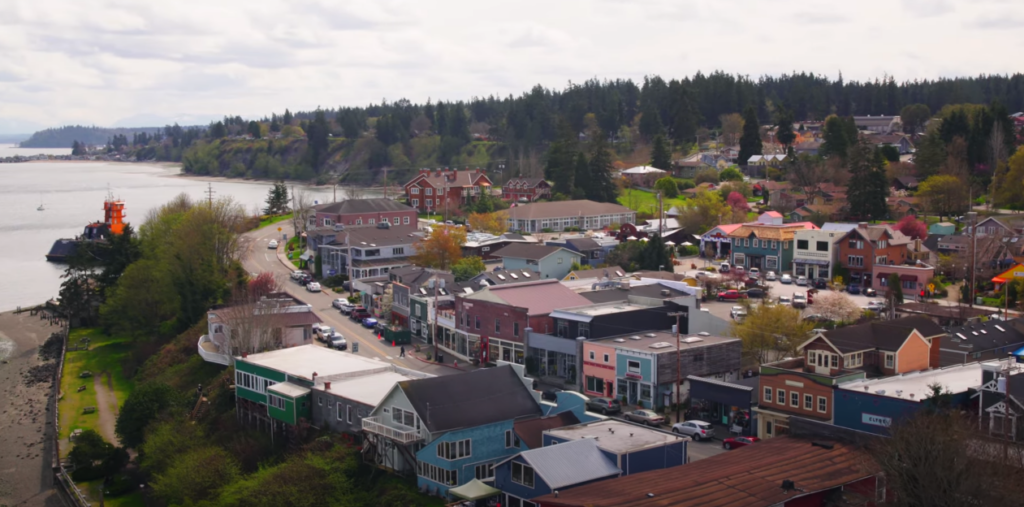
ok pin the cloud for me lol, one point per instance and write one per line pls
(927, 8)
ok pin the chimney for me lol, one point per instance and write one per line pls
(245, 355)
(327, 386)
(437, 174)
(917, 245)
(862, 225)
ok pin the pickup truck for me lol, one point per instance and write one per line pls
(731, 295)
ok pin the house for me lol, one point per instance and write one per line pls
(807, 211)
(766, 244)
(435, 190)
(484, 245)
(593, 251)
(551, 261)
(273, 389)
(561, 215)
(878, 124)
(275, 321)
(899, 141)
(772, 160)
(538, 472)
(810, 147)
(900, 207)
(999, 400)
(942, 228)
(866, 246)
(804, 386)
(525, 189)
(368, 252)
(941, 314)
(449, 429)
(872, 405)
(752, 477)
(641, 368)
(731, 401)
(631, 448)
(643, 175)
(707, 186)
(364, 213)
(816, 252)
(341, 404)
(592, 276)
(689, 167)
(493, 321)
(908, 183)
(414, 280)
(992, 226)
(914, 278)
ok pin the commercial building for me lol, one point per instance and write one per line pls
(368, 252)
(766, 244)
(363, 213)
(433, 191)
(981, 341)
(484, 245)
(275, 321)
(868, 245)
(816, 253)
(560, 215)
(631, 448)
(727, 402)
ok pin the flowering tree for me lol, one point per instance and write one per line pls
(912, 227)
(837, 307)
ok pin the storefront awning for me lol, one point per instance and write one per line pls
(882, 275)
(998, 280)
(817, 262)
(908, 278)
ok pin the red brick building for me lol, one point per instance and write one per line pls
(433, 190)
(525, 189)
(364, 212)
(866, 246)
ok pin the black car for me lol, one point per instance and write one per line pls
(755, 293)
(820, 283)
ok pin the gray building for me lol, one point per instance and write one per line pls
(341, 404)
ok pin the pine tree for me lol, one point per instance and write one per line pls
(785, 133)
(287, 120)
(317, 132)
(661, 155)
(650, 123)
(601, 186)
(561, 158)
(868, 187)
(581, 172)
(254, 129)
(750, 141)
(836, 137)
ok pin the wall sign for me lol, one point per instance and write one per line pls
(634, 375)
(875, 420)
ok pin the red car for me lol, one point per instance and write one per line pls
(731, 295)
(737, 442)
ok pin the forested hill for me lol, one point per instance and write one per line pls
(63, 137)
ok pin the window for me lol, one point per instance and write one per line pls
(890, 360)
(276, 401)
(768, 394)
(698, 357)
(780, 396)
(415, 203)
(522, 474)
(398, 251)
(633, 366)
(348, 414)
(583, 329)
(559, 260)
(497, 326)
(881, 259)
(485, 471)
(438, 474)
(822, 404)
(405, 220)
(384, 220)
(771, 262)
(883, 243)
(595, 385)
(339, 412)
(822, 246)
(854, 360)
(414, 190)
(746, 241)
(794, 399)
(429, 191)
(320, 400)
(835, 361)
(515, 329)
(606, 358)
(478, 322)
(808, 402)
(802, 244)
(854, 260)
(592, 355)
(856, 244)
(775, 245)
(510, 438)
(455, 450)
(755, 243)
(328, 221)
(430, 202)
(403, 417)
(739, 259)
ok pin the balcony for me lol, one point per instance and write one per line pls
(446, 319)
(210, 352)
(377, 426)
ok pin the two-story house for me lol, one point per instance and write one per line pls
(364, 213)
(410, 281)
(525, 189)
(494, 319)
(275, 321)
(561, 215)
(804, 386)
(766, 244)
(451, 429)
(551, 261)
(878, 124)
(369, 252)
(816, 252)
(341, 404)
(537, 472)
(431, 191)
(867, 245)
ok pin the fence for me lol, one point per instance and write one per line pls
(61, 477)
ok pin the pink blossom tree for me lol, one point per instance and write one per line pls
(912, 227)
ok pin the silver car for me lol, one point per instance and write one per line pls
(646, 417)
(697, 430)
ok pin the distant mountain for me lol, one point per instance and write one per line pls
(157, 119)
(63, 137)
(13, 138)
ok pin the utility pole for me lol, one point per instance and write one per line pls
(385, 182)
(434, 334)
(679, 366)
(973, 216)
(209, 194)
(661, 217)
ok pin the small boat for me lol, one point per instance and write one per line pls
(40, 208)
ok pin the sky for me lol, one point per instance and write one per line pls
(145, 63)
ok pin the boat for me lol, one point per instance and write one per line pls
(40, 208)
(97, 232)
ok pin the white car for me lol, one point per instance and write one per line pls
(802, 281)
(875, 306)
(339, 303)
(272, 245)
(786, 279)
(697, 430)
(785, 300)
(323, 332)
(770, 276)
(297, 274)
(738, 312)
(313, 287)
(754, 272)
(724, 267)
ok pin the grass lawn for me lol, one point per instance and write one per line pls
(642, 201)
(435, 216)
(274, 219)
(105, 354)
(92, 491)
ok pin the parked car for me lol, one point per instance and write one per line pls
(337, 303)
(737, 442)
(801, 281)
(337, 342)
(369, 322)
(731, 295)
(853, 288)
(304, 279)
(297, 273)
(820, 283)
(786, 279)
(346, 308)
(322, 332)
(754, 273)
(770, 276)
(738, 311)
(817, 319)
(272, 245)
(316, 329)
(799, 301)
(604, 405)
(869, 292)
(646, 417)
(785, 300)
(697, 430)
(875, 306)
(358, 314)
(313, 287)
(755, 292)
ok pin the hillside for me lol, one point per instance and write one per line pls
(62, 137)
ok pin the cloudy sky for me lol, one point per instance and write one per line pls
(137, 62)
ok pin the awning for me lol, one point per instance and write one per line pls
(306, 255)
(817, 262)
(886, 275)
(474, 490)
(998, 280)
(908, 278)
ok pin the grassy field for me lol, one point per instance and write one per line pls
(274, 219)
(646, 202)
(435, 216)
(92, 490)
(103, 358)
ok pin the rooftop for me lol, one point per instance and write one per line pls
(304, 360)
(643, 169)
(750, 477)
(531, 431)
(288, 389)
(616, 436)
(559, 209)
(884, 335)
(369, 389)
(980, 336)
(660, 342)
(623, 291)
(915, 386)
(531, 252)
(374, 205)
(439, 179)
(570, 463)
(369, 237)
(585, 313)
(943, 311)
(539, 298)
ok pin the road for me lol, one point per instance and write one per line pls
(257, 258)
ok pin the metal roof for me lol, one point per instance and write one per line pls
(570, 463)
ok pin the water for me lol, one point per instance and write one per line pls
(10, 150)
(73, 193)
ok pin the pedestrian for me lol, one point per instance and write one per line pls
(401, 351)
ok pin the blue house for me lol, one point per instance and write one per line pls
(551, 261)
(634, 373)
(450, 429)
(630, 447)
(592, 251)
(538, 472)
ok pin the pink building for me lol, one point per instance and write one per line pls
(913, 278)
(598, 369)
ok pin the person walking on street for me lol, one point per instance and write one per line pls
(401, 351)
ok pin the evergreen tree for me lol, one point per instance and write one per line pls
(654, 255)
(78, 148)
(838, 136)
(277, 199)
(601, 186)
(650, 123)
(254, 129)
(581, 172)
(750, 141)
(560, 168)
(868, 188)
(317, 132)
(287, 120)
(218, 130)
(684, 113)
(895, 293)
(784, 133)
(661, 155)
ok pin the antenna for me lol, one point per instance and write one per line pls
(209, 194)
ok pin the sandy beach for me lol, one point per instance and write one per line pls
(25, 419)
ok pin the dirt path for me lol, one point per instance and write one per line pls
(106, 407)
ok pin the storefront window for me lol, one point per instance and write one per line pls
(645, 392)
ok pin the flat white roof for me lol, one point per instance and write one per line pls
(288, 389)
(616, 436)
(914, 386)
(304, 360)
(368, 389)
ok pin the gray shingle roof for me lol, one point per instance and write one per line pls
(888, 335)
(362, 206)
(570, 463)
(529, 251)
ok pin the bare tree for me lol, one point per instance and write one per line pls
(254, 319)
(302, 210)
(353, 192)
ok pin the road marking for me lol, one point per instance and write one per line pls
(377, 358)
(389, 357)
(267, 257)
